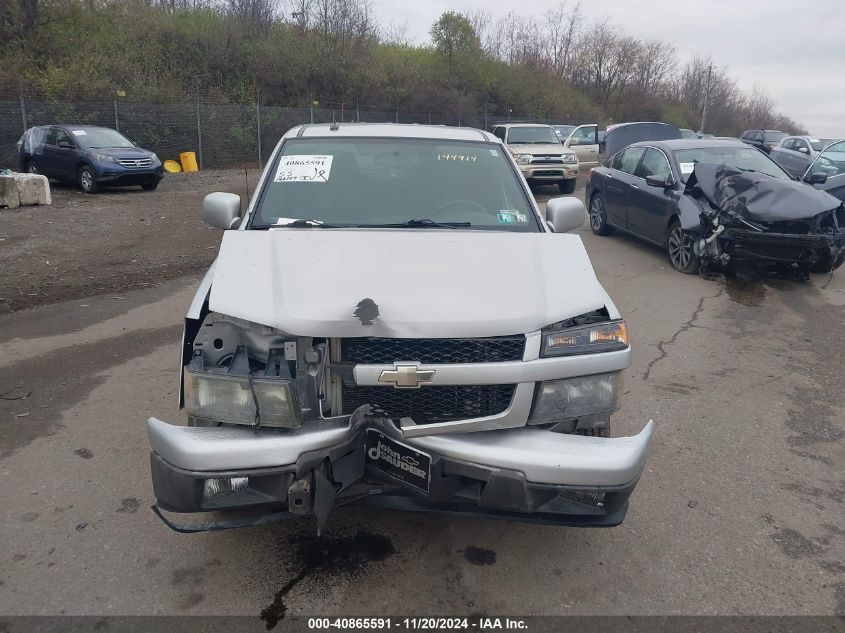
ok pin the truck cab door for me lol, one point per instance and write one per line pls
(584, 141)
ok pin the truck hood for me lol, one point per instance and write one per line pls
(537, 148)
(403, 283)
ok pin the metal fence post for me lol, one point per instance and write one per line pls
(199, 127)
(116, 121)
(23, 113)
(258, 124)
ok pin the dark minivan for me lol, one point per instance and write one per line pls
(93, 157)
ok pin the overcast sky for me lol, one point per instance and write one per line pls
(795, 49)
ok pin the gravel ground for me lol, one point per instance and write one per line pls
(119, 240)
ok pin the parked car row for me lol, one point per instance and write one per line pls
(796, 153)
(719, 202)
(92, 157)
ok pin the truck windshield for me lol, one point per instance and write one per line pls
(745, 158)
(535, 134)
(368, 183)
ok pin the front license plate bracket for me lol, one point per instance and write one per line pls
(397, 460)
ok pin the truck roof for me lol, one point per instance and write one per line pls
(389, 130)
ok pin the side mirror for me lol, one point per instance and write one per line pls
(65, 145)
(574, 141)
(565, 214)
(817, 178)
(803, 150)
(222, 210)
(657, 181)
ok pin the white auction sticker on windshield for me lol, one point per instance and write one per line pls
(80, 133)
(304, 168)
(687, 168)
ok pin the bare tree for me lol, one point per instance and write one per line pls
(562, 30)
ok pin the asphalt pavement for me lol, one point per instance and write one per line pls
(741, 509)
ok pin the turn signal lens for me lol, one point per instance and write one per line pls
(586, 339)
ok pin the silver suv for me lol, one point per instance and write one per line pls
(394, 322)
(538, 153)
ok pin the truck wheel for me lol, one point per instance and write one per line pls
(86, 181)
(828, 263)
(31, 168)
(567, 186)
(598, 216)
(679, 245)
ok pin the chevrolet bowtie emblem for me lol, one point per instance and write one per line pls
(406, 376)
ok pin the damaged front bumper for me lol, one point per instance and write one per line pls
(786, 248)
(521, 474)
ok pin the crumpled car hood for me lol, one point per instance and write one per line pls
(404, 283)
(755, 196)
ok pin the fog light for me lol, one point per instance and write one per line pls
(223, 487)
(589, 498)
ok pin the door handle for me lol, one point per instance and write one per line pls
(634, 186)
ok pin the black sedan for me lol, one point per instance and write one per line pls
(716, 203)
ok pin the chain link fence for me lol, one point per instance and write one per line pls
(221, 134)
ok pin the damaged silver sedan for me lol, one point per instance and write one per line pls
(393, 322)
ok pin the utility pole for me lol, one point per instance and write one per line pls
(706, 99)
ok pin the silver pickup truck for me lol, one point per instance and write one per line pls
(394, 322)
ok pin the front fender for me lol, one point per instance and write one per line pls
(689, 214)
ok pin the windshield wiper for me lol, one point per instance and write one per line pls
(419, 223)
(307, 224)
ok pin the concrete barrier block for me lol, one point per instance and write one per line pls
(27, 190)
(24, 190)
(9, 196)
(43, 185)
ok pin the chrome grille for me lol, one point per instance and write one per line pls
(546, 158)
(380, 351)
(136, 162)
(427, 405)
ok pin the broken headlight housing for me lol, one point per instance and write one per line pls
(565, 339)
(216, 397)
(570, 398)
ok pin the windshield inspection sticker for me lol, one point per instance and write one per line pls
(304, 168)
(511, 217)
(687, 168)
(80, 133)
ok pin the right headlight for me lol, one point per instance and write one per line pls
(523, 158)
(105, 158)
(585, 339)
(232, 399)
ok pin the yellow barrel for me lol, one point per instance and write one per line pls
(189, 161)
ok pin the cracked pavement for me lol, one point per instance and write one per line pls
(741, 509)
